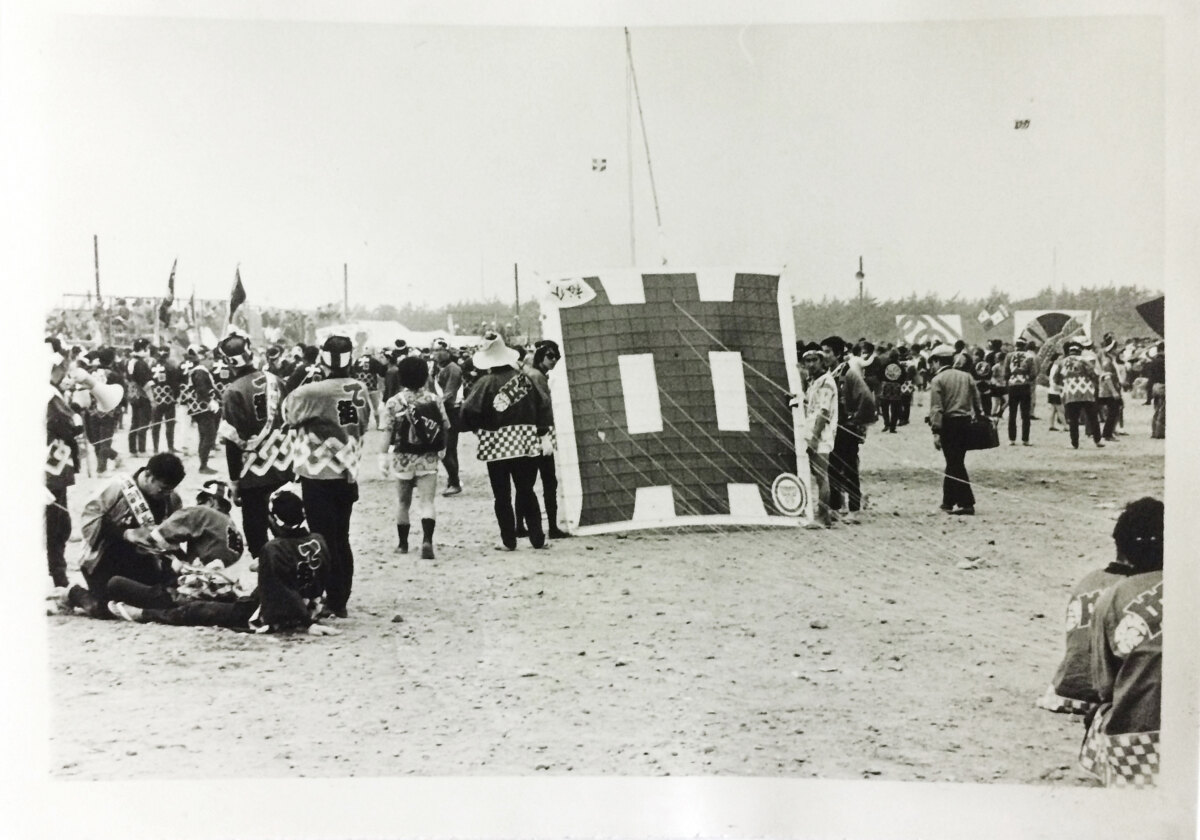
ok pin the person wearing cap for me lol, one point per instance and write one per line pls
(819, 429)
(512, 421)
(1079, 383)
(126, 503)
(448, 378)
(856, 410)
(137, 380)
(258, 452)
(199, 396)
(329, 420)
(953, 403)
(290, 595)
(546, 355)
(163, 390)
(1020, 374)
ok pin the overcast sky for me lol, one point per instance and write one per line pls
(430, 159)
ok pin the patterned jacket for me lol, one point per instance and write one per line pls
(252, 422)
(509, 415)
(1079, 380)
(1020, 368)
(329, 420)
(62, 447)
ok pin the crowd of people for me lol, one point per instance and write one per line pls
(849, 387)
(293, 421)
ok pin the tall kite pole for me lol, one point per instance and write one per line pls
(645, 140)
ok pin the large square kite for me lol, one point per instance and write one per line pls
(671, 402)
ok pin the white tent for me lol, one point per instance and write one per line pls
(383, 334)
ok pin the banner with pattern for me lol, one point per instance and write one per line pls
(926, 328)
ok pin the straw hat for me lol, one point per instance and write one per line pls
(493, 353)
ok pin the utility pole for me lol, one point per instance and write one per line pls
(345, 292)
(517, 296)
(858, 275)
(100, 300)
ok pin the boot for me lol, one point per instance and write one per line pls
(402, 533)
(427, 539)
(552, 529)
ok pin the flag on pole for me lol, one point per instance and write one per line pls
(1001, 314)
(238, 295)
(599, 164)
(164, 308)
(985, 318)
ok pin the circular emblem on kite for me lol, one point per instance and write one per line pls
(789, 494)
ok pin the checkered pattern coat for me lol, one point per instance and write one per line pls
(508, 414)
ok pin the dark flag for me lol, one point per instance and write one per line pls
(164, 308)
(1153, 313)
(238, 296)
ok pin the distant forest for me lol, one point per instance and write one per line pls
(1112, 311)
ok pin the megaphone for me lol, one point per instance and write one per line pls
(107, 395)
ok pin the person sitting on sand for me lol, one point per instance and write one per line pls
(195, 545)
(291, 583)
(1121, 745)
(124, 505)
(1138, 540)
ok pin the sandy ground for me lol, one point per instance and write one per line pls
(861, 652)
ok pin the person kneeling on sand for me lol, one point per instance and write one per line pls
(291, 583)
(194, 545)
(122, 507)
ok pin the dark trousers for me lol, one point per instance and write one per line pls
(163, 416)
(1086, 410)
(139, 422)
(889, 410)
(1110, 409)
(843, 471)
(138, 594)
(956, 484)
(58, 532)
(985, 399)
(206, 425)
(254, 515)
(521, 473)
(905, 408)
(234, 614)
(450, 460)
(328, 504)
(119, 560)
(546, 471)
(100, 429)
(1020, 398)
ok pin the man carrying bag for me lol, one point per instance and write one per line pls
(954, 404)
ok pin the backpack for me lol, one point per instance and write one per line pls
(418, 429)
